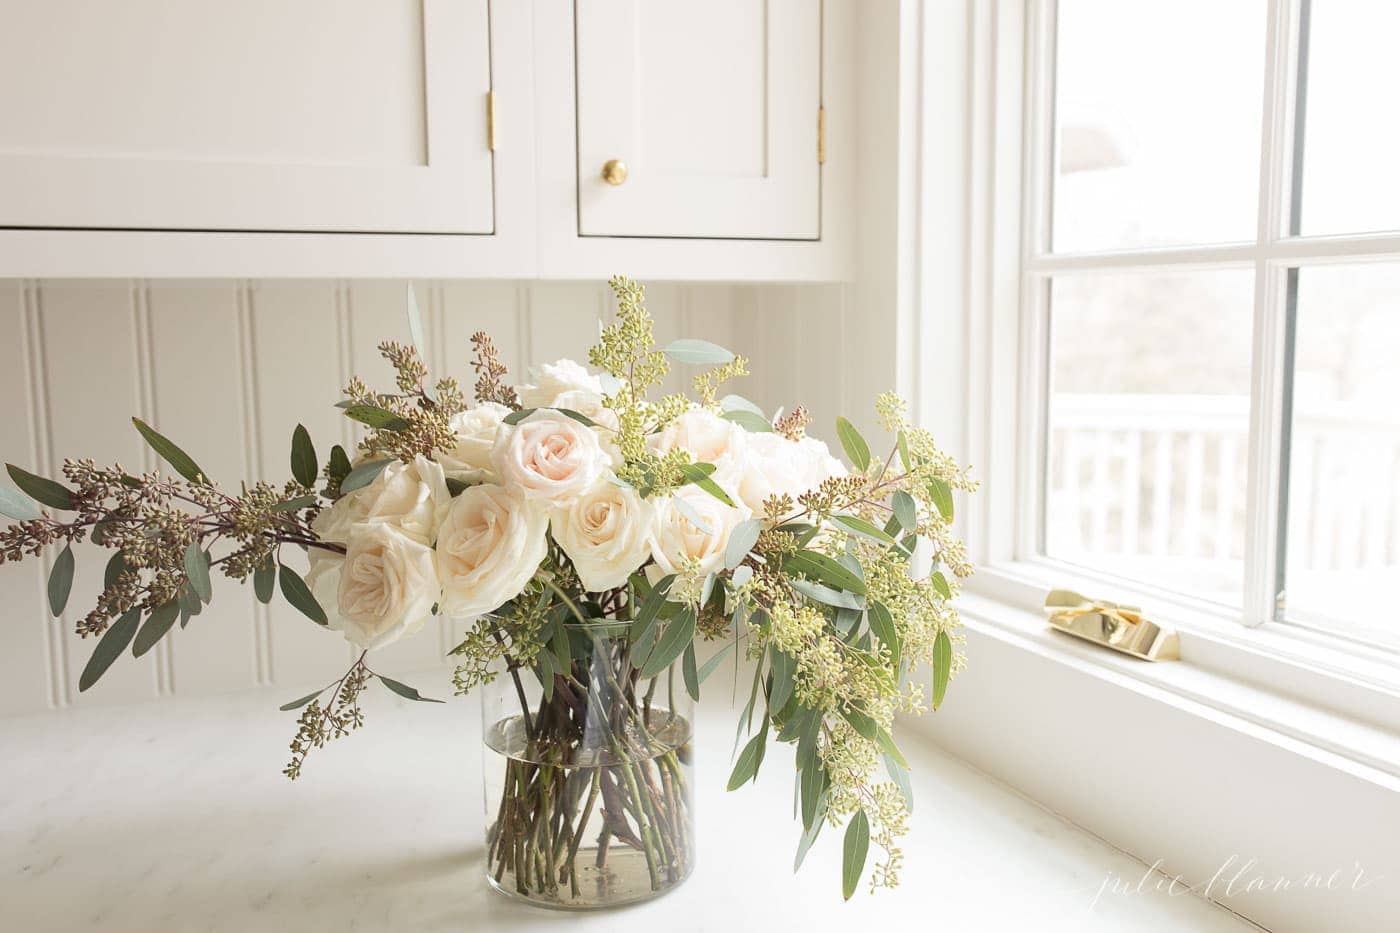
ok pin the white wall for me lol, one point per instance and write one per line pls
(227, 368)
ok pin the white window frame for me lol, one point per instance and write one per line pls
(1009, 267)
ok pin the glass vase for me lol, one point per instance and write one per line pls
(588, 775)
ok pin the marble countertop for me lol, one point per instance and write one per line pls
(174, 816)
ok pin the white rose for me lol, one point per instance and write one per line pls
(606, 532)
(410, 497)
(776, 465)
(388, 585)
(676, 541)
(555, 378)
(589, 404)
(332, 524)
(489, 546)
(709, 439)
(549, 456)
(475, 430)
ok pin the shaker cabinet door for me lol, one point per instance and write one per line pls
(262, 115)
(712, 110)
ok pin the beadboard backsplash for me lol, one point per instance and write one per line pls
(227, 368)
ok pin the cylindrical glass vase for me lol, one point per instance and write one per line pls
(588, 775)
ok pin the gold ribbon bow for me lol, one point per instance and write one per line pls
(1112, 625)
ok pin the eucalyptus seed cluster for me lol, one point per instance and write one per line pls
(340, 716)
(415, 422)
(491, 373)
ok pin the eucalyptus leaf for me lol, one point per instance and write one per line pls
(746, 767)
(857, 525)
(516, 417)
(190, 606)
(296, 592)
(115, 565)
(376, 417)
(18, 506)
(860, 722)
(940, 583)
(827, 596)
(906, 510)
(809, 837)
(113, 642)
(402, 689)
(301, 701)
(197, 569)
(41, 489)
(755, 424)
(882, 624)
(942, 666)
(732, 403)
(855, 446)
(61, 581)
(818, 566)
(415, 326)
(741, 541)
(942, 495)
(688, 671)
(264, 579)
(691, 515)
(170, 453)
(303, 457)
(697, 352)
(901, 442)
(155, 627)
(783, 670)
(295, 505)
(363, 475)
(679, 632)
(891, 750)
(899, 773)
(339, 466)
(712, 663)
(853, 852)
(814, 783)
(698, 474)
(651, 606)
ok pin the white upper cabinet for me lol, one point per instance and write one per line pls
(713, 110)
(258, 115)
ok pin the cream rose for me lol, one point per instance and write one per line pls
(410, 497)
(776, 465)
(489, 546)
(475, 430)
(553, 379)
(676, 541)
(549, 457)
(388, 585)
(709, 439)
(606, 532)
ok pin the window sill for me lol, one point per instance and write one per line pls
(1183, 764)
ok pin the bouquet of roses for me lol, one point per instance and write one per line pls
(590, 536)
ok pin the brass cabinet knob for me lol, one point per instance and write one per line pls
(614, 171)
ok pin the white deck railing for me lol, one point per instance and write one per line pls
(1162, 476)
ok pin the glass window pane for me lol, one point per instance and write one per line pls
(1343, 529)
(1157, 111)
(1350, 145)
(1148, 420)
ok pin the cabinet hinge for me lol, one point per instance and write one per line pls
(821, 135)
(491, 120)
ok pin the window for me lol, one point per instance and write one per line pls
(1212, 292)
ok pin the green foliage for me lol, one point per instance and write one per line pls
(110, 647)
(855, 446)
(303, 457)
(17, 506)
(853, 851)
(170, 453)
(40, 489)
(157, 624)
(404, 690)
(296, 592)
(61, 581)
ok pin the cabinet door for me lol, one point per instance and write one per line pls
(712, 107)
(324, 115)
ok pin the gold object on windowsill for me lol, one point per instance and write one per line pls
(1115, 626)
